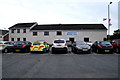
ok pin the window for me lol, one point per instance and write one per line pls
(18, 30)
(24, 39)
(59, 33)
(12, 39)
(71, 39)
(34, 33)
(12, 31)
(29, 43)
(46, 33)
(86, 39)
(59, 41)
(18, 39)
(24, 30)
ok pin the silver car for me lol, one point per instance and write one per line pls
(6, 46)
(81, 47)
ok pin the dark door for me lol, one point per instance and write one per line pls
(86, 39)
(71, 39)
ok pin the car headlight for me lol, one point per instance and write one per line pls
(79, 47)
(88, 47)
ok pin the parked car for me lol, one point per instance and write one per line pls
(81, 47)
(6, 46)
(39, 46)
(22, 46)
(59, 45)
(102, 47)
(116, 45)
(69, 43)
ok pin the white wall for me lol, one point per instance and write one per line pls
(92, 34)
(20, 35)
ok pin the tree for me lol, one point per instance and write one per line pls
(116, 35)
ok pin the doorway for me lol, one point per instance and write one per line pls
(71, 39)
(86, 39)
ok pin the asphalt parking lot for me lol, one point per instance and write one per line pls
(47, 65)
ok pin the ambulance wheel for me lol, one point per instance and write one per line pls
(45, 50)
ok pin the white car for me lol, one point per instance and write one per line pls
(59, 45)
(6, 46)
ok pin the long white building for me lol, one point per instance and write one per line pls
(48, 32)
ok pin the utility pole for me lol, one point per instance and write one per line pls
(109, 21)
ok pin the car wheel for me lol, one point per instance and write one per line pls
(53, 52)
(48, 50)
(26, 50)
(31, 52)
(89, 52)
(97, 51)
(117, 50)
(75, 51)
(45, 50)
(6, 50)
(66, 51)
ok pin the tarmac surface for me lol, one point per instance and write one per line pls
(47, 65)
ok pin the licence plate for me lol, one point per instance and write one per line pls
(107, 50)
(17, 50)
(58, 45)
(84, 49)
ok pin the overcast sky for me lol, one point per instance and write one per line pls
(58, 11)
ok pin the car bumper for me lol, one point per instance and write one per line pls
(19, 49)
(110, 50)
(59, 49)
(83, 50)
(36, 50)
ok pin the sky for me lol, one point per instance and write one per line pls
(58, 12)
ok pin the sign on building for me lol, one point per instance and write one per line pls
(72, 33)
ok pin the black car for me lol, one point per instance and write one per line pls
(102, 47)
(22, 46)
(81, 47)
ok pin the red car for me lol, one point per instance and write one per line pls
(116, 45)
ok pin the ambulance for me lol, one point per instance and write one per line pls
(40, 46)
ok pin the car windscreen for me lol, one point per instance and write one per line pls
(105, 43)
(40, 41)
(36, 43)
(20, 43)
(9, 43)
(59, 41)
(80, 43)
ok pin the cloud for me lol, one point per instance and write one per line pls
(56, 11)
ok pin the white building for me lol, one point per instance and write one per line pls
(48, 32)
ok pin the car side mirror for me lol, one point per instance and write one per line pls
(112, 42)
